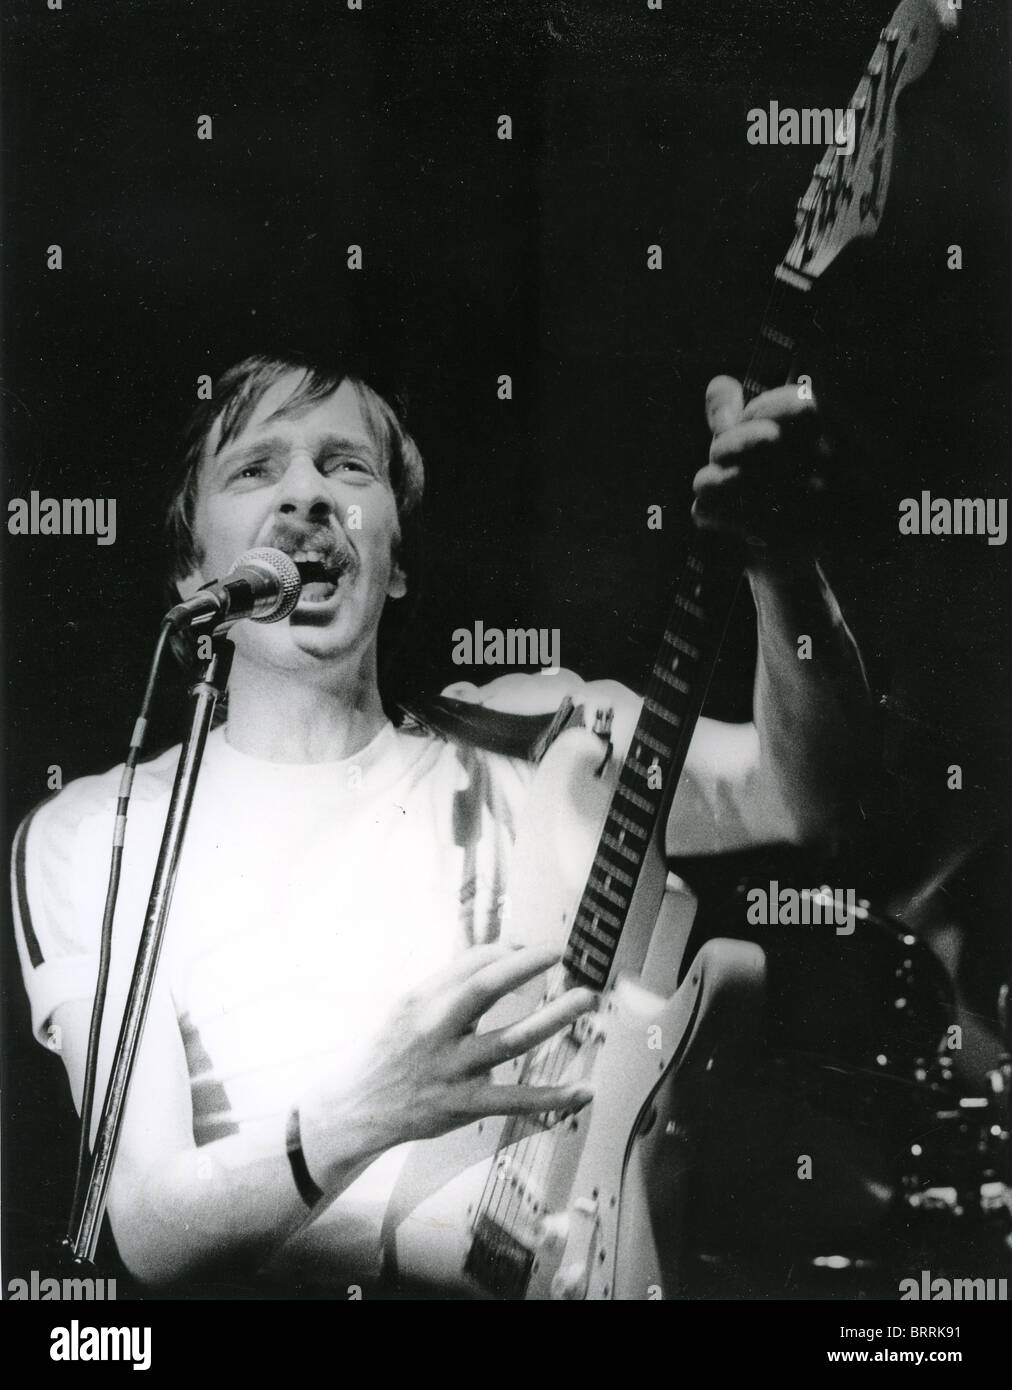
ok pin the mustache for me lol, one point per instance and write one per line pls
(335, 555)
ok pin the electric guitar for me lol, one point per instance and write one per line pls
(591, 1205)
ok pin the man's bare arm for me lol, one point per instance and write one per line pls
(176, 1209)
(812, 710)
(814, 717)
(179, 1211)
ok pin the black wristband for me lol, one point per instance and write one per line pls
(308, 1190)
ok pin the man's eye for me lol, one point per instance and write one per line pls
(337, 463)
(256, 469)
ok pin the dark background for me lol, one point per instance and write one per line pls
(483, 257)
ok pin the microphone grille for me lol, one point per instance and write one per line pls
(283, 567)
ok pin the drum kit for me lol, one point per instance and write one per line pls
(844, 1155)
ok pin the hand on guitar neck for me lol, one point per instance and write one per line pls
(766, 483)
(767, 468)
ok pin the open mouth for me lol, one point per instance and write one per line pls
(320, 574)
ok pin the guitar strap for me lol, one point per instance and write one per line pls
(524, 736)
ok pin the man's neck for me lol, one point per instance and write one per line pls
(278, 716)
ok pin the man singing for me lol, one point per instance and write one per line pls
(333, 941)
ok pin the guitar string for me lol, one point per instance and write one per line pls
(545, 1062)
(500, 1190)
(531, 1153)
(751, 388)
(513, 1197)
(525, 1160)
(534, 1147)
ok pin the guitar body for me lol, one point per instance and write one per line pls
(574, 1196)
(620, 1232)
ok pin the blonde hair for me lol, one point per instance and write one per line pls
(234, 398)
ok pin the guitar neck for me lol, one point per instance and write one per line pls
(674, 695)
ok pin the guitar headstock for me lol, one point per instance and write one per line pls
(846, 197)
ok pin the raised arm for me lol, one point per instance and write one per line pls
(812, 702)
(796, 774)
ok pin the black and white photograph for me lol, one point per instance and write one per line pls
(506, 636)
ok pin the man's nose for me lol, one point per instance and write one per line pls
(303, 490)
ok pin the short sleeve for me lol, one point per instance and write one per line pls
(60, 860)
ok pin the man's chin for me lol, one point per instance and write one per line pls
(305, 637)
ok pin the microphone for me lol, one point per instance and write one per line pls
(263, 585)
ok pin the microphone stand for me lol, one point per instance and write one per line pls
(82, 1238)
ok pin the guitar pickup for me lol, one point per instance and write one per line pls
(498, 1261)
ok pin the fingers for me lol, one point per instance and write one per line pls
(463, 966)
(723, 403)
(708, 507)
(471, 999)
(743, 439)
(783, 403)
(489, 1049)
(766, 465)
(530, 1100)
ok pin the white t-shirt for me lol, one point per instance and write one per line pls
(308, 895)
(309, 899)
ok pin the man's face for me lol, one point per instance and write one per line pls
(314, 484)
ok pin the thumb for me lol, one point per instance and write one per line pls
(724, 402)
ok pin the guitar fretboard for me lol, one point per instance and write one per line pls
(674, 695)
